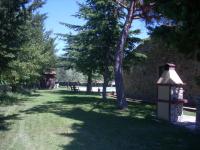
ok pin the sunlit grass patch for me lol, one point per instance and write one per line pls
(60, 119)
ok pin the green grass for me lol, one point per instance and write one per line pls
(189, 113)
(10, 98)
(53, 120)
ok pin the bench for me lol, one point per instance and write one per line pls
(74, 88)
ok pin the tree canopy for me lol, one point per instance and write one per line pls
(26, 48)
(180, 27)
(13, 17)
(92, 49)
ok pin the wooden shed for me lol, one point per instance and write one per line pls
(48, 79)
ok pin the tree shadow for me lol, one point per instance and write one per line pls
(29, 93)
(106, 131)
(69, 100)
(15, 98)
(68, 92)
(102, 126)
(7, 121)
(6, 99)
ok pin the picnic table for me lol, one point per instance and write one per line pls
(74, 88)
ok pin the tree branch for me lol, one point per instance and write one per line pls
(144, 10)
(121, 3)
(143, 16)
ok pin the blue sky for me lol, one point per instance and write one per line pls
(62, 11)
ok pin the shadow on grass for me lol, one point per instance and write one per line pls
(10, 99)
(107, 131)
(29, 92)
(15, 98)
(6, 121)
(62, 105)
(104, 131)
(68, 92)
(101, 126)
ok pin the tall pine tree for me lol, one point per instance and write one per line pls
(12, 18)
(99, 34)
(136, 9)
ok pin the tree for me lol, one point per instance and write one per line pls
(12, 16)
(137, 9)
(181, 25)
(81, 55)
(103, 19)
(70, 75)
(98, 36)
(103, 25)
(35, 53)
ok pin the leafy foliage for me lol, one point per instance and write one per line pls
(94, 45)
(34, 49)
(36, 55)
(181, 27)
(69, 75)
(12, 16)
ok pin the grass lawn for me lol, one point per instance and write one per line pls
(53, 120)
(189, 113)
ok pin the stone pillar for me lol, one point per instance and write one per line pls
(198, 113)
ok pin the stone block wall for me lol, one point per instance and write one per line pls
(140, 80)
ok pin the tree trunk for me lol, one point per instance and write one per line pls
(198, 114)
(105, 83)
(89, 83)
(14, 88)
(121, 100)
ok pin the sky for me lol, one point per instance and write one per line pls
(61, 11)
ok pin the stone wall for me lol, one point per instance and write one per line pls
(140, 80)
